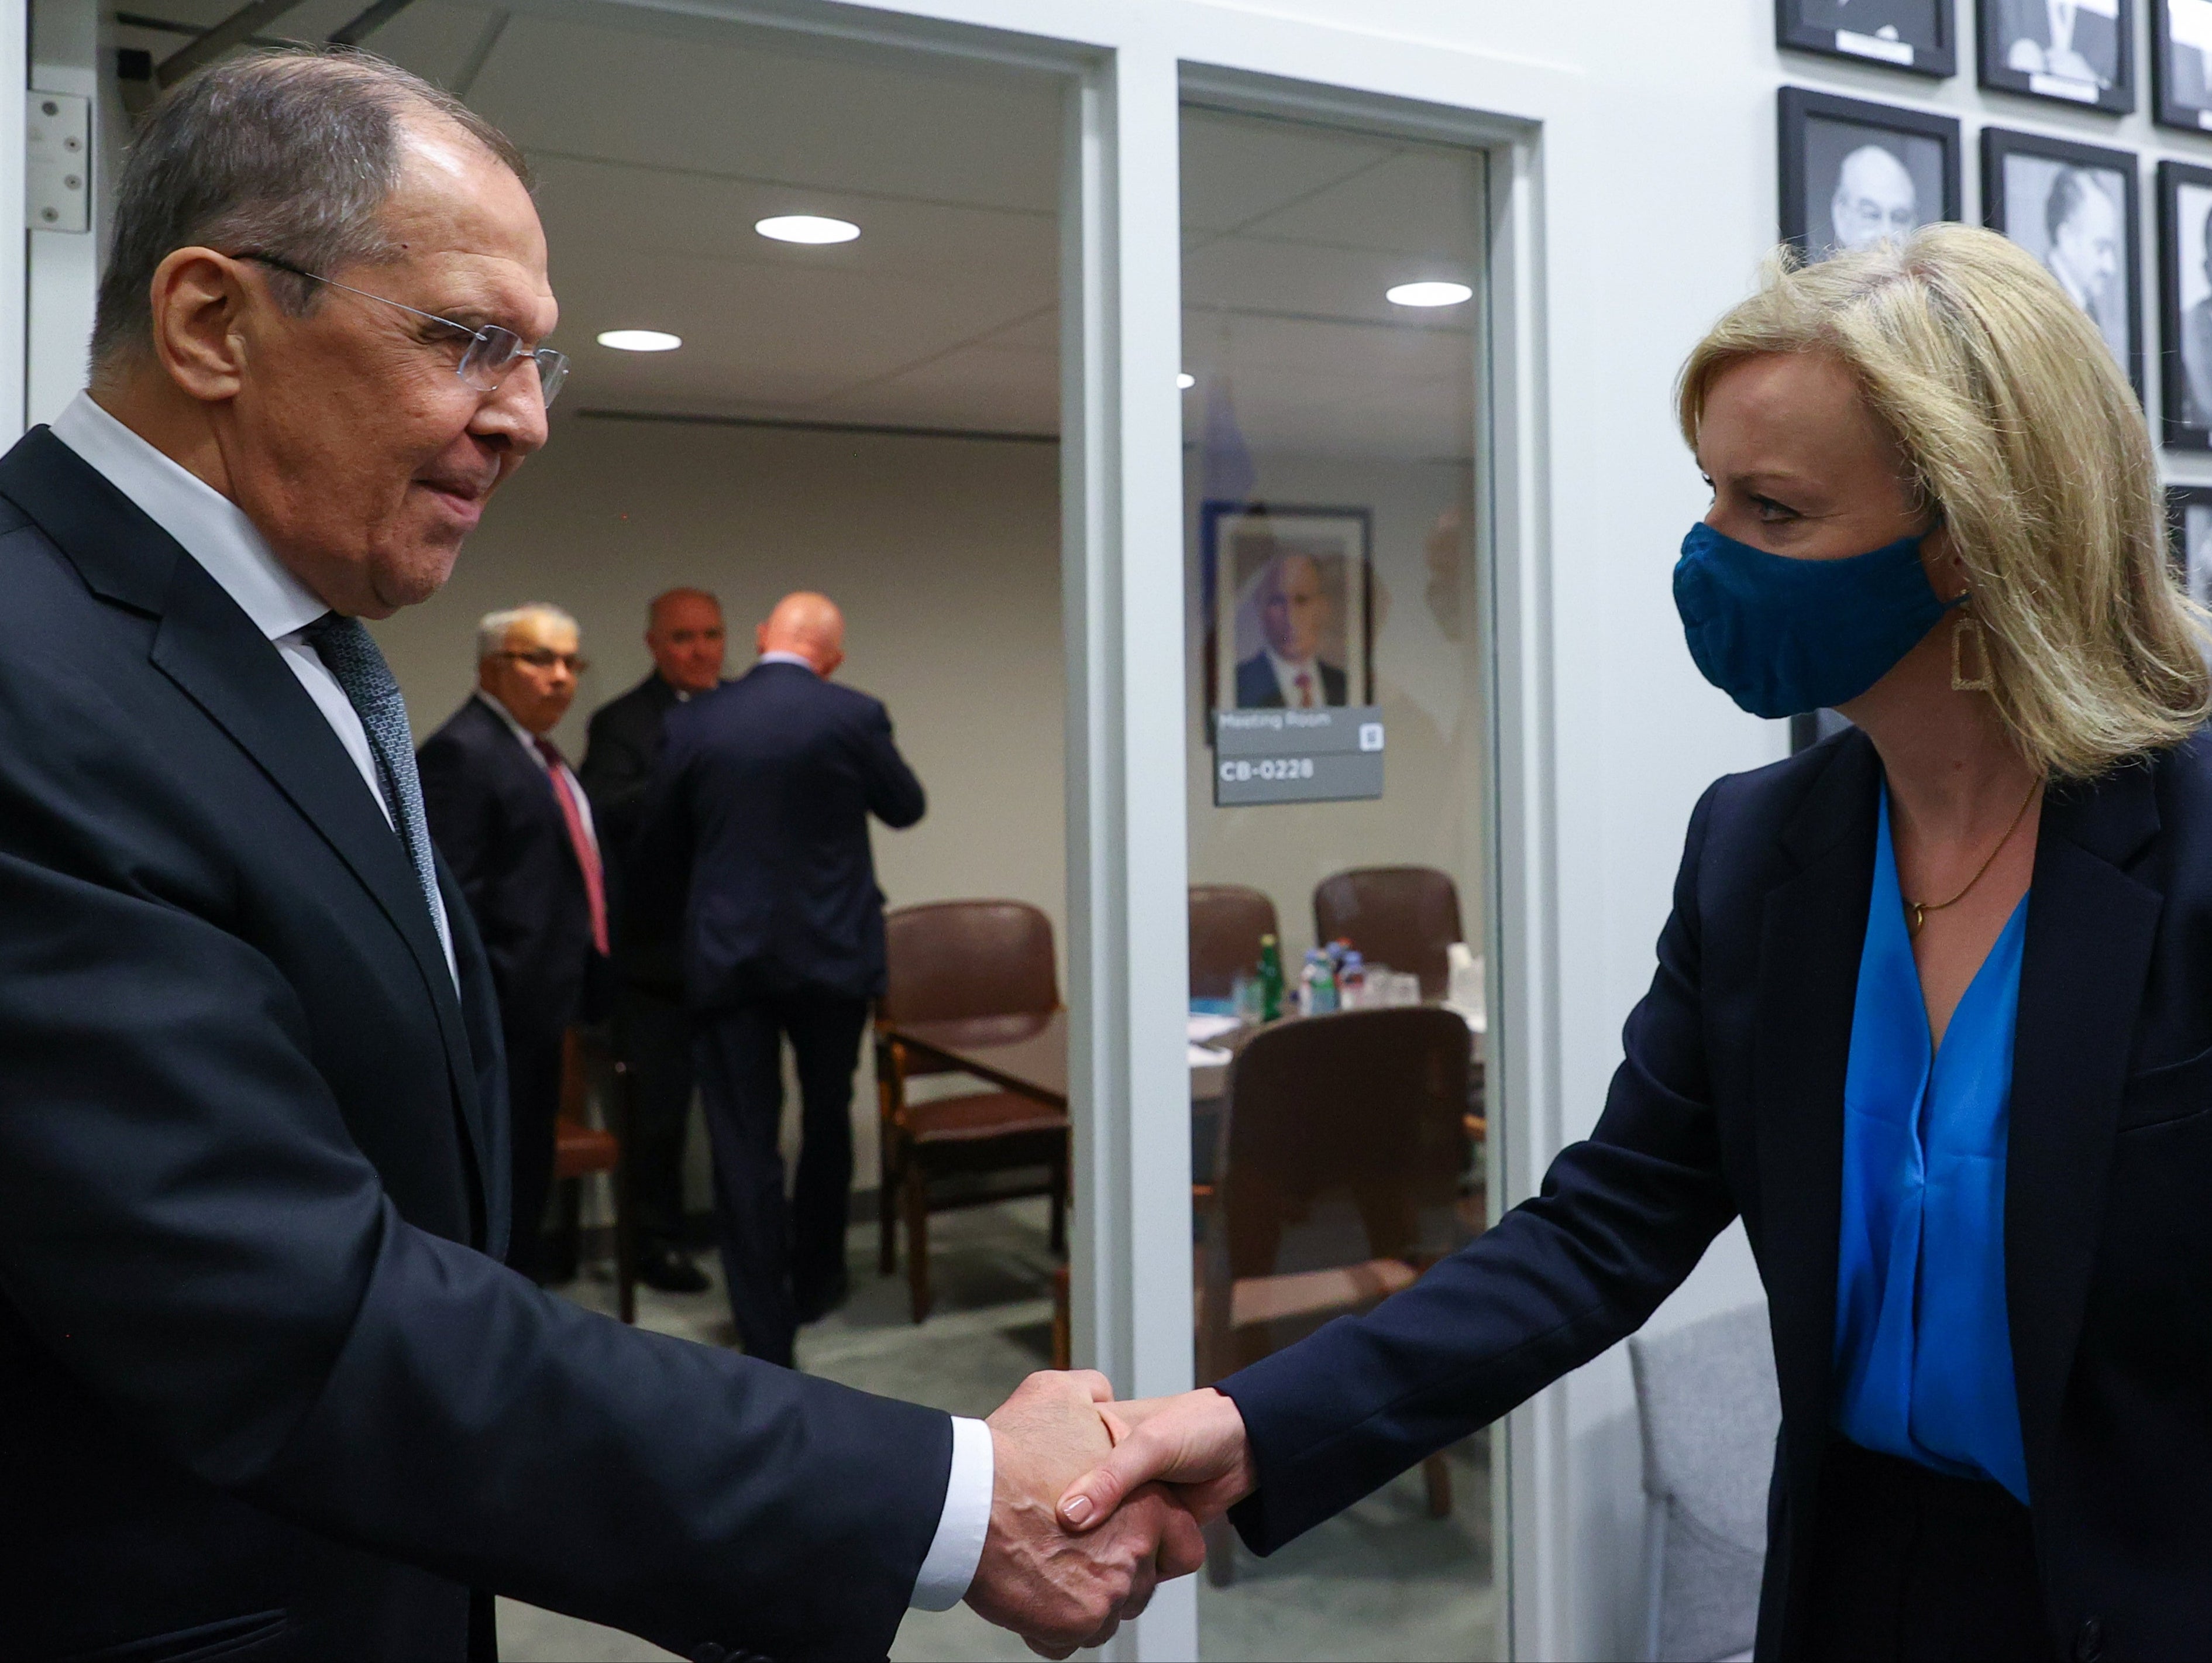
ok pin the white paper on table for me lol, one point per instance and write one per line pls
(1207, 1057)
(1203, 1026)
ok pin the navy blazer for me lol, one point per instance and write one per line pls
(494, 817)
(1257, 689)
(264, 1389)
(623, 746)
(758, 830)
(1730, 1101)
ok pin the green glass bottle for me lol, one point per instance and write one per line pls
(1271, 979)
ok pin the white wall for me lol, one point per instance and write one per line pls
(943, 554)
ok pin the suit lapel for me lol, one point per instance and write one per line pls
(211, 650)
(1812, 931)
(2090, 931)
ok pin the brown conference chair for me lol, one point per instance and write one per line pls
(1226, 924)
(1403, 916)
(981, 963)
(1342, 1142)
(579, 1148)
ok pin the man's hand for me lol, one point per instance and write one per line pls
(1057, 1591)
(1194, 1441)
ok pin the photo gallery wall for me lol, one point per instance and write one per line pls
(1855, 170)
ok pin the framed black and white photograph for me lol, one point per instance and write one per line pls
(2184, 303)
(2077, 51)
(2074, 207)
(1905, 35)
(1289, 605)
(2189, 516)
(2181, 63)
(1854, 172)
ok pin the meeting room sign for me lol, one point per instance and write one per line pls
(1331, 754)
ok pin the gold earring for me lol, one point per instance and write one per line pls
(1961, 682)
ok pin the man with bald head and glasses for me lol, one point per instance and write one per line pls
(513, 823)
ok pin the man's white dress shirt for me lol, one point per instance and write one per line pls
(215, 530)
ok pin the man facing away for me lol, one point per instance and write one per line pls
(653, 1033)
(761, 802)
(265, 1388)
(1288, 669)
(512, 822)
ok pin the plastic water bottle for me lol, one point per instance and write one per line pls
(1352, 981)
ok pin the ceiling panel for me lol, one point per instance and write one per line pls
(657, 152)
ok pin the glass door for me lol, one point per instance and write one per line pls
(1332, 346)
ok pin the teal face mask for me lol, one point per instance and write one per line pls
(1782, 637)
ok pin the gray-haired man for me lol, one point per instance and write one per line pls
(512, 822)
(267, 1390)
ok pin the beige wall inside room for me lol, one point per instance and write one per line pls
(943, 552)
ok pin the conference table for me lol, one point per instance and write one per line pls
(1027, 1054)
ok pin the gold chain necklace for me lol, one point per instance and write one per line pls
(1916, 912)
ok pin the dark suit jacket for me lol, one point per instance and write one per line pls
(1730, 1100)
(494, 819)
(761, 801)
(621, 746)
(1258, 690)
(259, 1378)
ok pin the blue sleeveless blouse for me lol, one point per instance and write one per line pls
(1923, 1353)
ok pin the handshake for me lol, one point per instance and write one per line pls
(1095, 1503)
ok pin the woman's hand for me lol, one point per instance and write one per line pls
(1194, 1441)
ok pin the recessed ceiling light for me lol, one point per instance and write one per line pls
(640, 340)
(1428, 294)
(806, 227)
(1186, 381)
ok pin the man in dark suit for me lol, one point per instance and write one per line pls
(513, 823)
(763, 798)
(653, 1031)
(265, 1389)
(1289, 669)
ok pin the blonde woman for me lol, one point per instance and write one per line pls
(1933, 1014)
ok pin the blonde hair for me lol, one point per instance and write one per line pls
(2024, 436)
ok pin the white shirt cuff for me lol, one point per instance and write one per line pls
(958, 1546)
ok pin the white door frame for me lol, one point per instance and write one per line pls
(1129, 62)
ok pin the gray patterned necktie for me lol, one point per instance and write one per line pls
(350, 653)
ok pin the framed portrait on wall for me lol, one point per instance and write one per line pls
(1854, 172)
(1290, 597)
(2074, 207)
(2184, 303)
(2189, 519)
(2077, 51)
(1905, 35)
(2181, 63)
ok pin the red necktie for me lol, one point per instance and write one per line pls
(587, 852)
(1305, 684)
